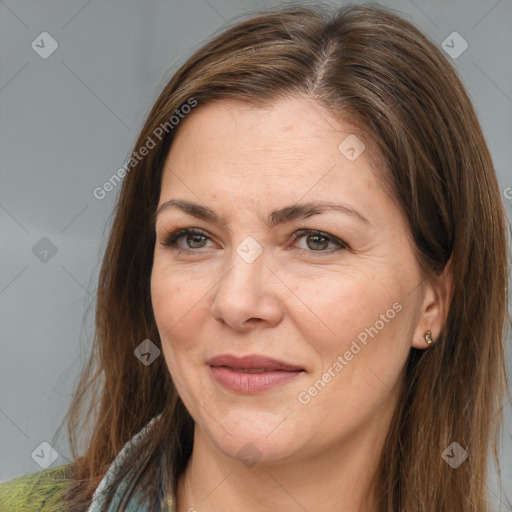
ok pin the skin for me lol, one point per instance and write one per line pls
(303, 301)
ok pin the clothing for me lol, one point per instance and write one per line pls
(42, 491)
(36, 492)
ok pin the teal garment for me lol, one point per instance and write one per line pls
(41, 491)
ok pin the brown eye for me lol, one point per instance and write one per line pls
(317, 241)
(193, 238)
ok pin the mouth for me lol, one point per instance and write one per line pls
(254, 363)
(250, 370)
(252, 374)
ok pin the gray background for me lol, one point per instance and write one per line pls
(69, 121)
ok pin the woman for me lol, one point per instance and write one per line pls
(303, 299)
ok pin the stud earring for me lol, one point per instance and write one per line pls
(428, 337)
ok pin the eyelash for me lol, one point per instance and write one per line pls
(172, 237)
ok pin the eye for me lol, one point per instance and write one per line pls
(195, 239)
(193, 234)
(319, 240)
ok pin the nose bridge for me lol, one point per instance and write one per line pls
(249, 250)
(246, 265)
(244, 292)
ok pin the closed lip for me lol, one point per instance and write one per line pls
(252, 362)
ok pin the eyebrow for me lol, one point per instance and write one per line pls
(286, 214)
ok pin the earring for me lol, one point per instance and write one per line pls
(428, 338)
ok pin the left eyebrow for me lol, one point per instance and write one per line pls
(286, 214)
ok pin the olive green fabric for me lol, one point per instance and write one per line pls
(43, 491)
(35, 492)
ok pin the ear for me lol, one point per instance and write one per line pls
(438, 292)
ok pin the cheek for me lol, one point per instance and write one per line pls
(173, 297)
(169, 309)
(366, 320)
(360, 364)
(343, 304)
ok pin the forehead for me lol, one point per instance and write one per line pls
(245, 162)
(290, 138)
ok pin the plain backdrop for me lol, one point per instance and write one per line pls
(68, 121)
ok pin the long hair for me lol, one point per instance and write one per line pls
(368, 64)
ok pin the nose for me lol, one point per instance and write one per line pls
(248, 294)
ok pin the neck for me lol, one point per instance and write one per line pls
(338, 478)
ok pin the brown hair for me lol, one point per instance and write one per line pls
(368, 63)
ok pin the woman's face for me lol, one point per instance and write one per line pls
(342, 307)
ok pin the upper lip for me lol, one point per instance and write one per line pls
(252, 362)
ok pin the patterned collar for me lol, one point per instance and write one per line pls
(118, 502)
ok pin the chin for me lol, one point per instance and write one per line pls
(251, 440)
(254, 451)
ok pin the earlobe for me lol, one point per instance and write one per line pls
(434, 310)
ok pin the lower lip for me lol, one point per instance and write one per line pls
(251, 383)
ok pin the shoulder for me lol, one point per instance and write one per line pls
(34, 492)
